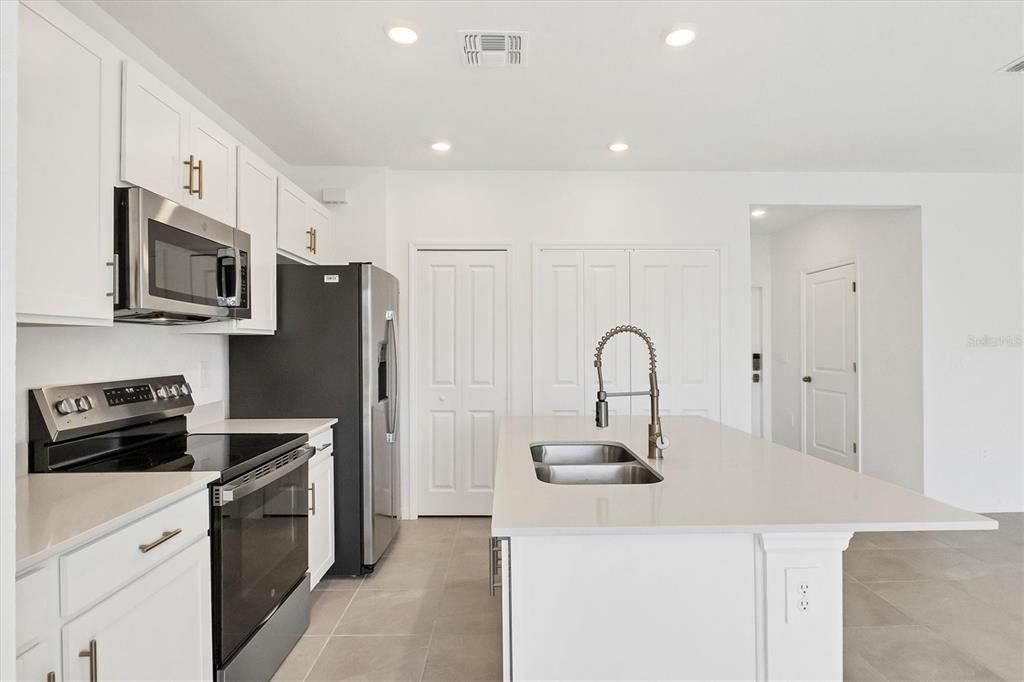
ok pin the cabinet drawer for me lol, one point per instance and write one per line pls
(96, 570)
(36, 604)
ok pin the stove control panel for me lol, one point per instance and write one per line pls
(78, 409)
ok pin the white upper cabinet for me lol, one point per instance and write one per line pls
(303, 224)
(257, 215)
(68, 101)
(170, 148)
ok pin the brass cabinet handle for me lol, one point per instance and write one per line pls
(164, 537)
(90, 653)
(190, 164)
(201, 183)
(309, 240)
(51, 676)
(314, 240)
(312, 490)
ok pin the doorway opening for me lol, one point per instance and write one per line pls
(836, 335)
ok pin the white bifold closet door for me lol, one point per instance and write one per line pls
(673, 294)
(461, 377)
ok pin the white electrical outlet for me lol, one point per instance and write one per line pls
(803, 593)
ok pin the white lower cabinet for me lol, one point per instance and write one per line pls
(156, 628)
(134, 604)
(321, 507)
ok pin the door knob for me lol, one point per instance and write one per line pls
(807, 380)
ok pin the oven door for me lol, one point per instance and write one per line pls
(178, 265)
(261, 549)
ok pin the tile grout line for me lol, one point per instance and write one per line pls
(327, 639)
(444, 581)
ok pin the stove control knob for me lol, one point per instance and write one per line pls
(185, 390)
(174, 391)
(83, 404)
(66, 406)
(161, 393)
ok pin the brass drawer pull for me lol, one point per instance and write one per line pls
(191, 165)
(90, 653)
(164, 537)
(201, 193)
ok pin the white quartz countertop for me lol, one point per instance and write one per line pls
(58, 512)
(310, 426)
(717, 480)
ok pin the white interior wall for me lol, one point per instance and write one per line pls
(886, 246)
(66, 355)
(359, 226)
(8, 336)
(971, 280)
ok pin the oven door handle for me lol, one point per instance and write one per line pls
(232, 492)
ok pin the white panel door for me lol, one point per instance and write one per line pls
(216, 180)
(830, 356)
(294, 234)
(559, 338)
(461, 377)
(674, 296)
(69, 104)
(605, 305)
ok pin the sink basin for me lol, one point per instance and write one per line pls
(580, 453)
(596, 474)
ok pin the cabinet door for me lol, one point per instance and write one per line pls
(319, 219)
(293, 234)
(257, 215)
(216, 180)
(156, 628)
(154, 135)
(560, 364)
(68, 101)
(36, 664)
(321, 519)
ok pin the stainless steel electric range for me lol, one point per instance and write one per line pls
(258, 507)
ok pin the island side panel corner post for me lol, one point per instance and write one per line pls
(799, 606)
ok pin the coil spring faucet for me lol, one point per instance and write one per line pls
(656, 441)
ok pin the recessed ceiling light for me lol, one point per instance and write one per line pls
(758, 213)
(680, 36)
(440, 146)
(618, 147)
(401, 34)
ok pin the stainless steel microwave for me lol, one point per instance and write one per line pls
(174, 265)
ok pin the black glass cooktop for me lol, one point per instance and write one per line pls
(230, 454)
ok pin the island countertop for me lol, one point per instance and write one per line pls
(717, 479)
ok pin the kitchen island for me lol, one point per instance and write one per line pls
(729, 567)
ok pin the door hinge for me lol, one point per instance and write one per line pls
(855, 448)
(854, 287)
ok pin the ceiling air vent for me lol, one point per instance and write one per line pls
(1016, 66)
(493, 48)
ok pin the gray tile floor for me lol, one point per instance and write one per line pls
(917, 606)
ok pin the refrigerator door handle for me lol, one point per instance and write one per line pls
(392, 345)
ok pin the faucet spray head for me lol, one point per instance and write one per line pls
(601, 412)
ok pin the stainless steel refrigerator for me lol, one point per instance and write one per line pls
(335, 354)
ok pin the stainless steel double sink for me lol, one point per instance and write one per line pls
(590, 464)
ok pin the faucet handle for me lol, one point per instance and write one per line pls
(661, 442)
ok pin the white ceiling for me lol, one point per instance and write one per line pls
(788, 86)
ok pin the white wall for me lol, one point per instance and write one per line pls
(971, 273)
(360, 225)
(886, 246)
(8, 231)
(67, 355)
